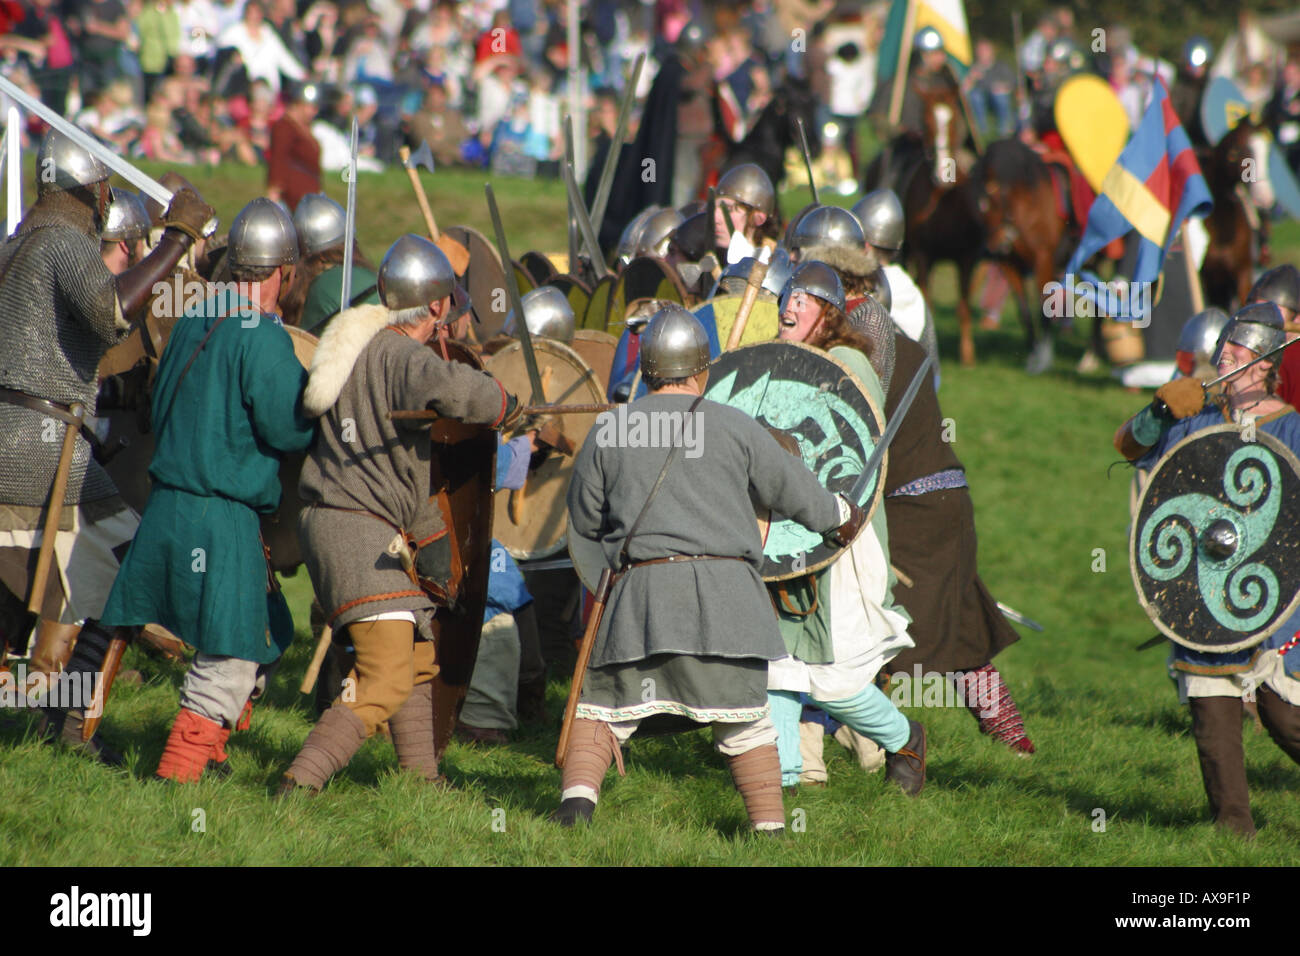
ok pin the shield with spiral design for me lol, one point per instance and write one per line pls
(1215, 546)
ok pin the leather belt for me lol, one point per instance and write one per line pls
(43, 405)
(680, 558)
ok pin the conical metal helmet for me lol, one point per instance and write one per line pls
(631, 237)
(547, 312)
(414, 273)
(262, 235)
(674, 344)
(828, 226)
(881, 216)
(750, 185)
(62, 164)
(658, 230)
(1279, 285)
(735, 277)
(1257, 327)
(127, 220)
(321, 223)
(817, 279)
(1201, 333)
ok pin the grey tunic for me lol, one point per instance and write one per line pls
(58, 315)
(364, 462)
(712, 609)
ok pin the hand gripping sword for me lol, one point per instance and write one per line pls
(147, 185)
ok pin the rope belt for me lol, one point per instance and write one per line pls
(939, 481)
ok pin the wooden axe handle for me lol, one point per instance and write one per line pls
(752, 287)
(52, 517)
(584, 657)
(317, 659)
(405, 155)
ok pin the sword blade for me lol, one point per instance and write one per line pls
(146, 184)
(516, 302)
(807, 159)
(584, 224)
(349, 222)
(873, 463)
(1012, 614)
(1260, 358)
(601, 199)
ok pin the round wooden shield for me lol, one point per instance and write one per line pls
(763, 323)
(598, 305)
(647, 277)
(540, 268)
(816, 399)
(1215, 546)
(597, 350)
(530, 522)
(280, 527)
(485, 279)
(523, 279)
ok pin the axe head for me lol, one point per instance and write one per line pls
(421, 157)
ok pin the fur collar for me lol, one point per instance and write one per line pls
(344, 340)
(858, 263)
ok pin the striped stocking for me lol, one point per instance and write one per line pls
(989, 702)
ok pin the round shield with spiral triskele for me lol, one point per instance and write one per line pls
(1215, 546)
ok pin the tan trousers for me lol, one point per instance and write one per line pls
(870, 755)
(390, 662)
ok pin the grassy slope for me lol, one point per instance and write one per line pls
(1106, 721)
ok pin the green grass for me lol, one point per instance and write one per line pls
(1106, 721)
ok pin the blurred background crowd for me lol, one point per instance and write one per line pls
(485, 81)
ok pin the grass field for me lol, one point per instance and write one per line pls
(1109, 731)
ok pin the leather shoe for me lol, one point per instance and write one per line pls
(907, 767)
(573, 810)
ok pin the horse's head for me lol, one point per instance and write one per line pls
(945, 130)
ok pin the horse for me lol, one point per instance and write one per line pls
(1226, 273)
(1024, 234)
(943, 222)
(775, 131)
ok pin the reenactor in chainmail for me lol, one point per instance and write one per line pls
(884, 225)
(834, 236)
(60, 310)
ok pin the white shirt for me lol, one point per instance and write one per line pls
(908, 305)
(265, 57)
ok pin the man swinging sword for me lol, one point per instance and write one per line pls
(689, 629)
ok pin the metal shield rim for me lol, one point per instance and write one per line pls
(1277, 447)
(877, 494)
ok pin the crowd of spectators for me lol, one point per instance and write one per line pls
(485, 81)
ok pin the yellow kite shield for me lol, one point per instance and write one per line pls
(1093, 124)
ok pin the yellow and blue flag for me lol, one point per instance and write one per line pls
(1154, 185)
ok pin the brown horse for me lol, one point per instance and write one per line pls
(943, 223)
(1226, 273)
(1023, 230)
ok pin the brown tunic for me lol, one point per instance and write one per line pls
(955, 621)
(293, 161)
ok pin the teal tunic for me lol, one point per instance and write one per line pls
(806, 629)
(326, 293)
(196, 565)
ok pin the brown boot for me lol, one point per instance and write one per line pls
(757, 775)
(412, 732)
(907, 767)
(53, 648)
(1281, 720)
(332, 743)
(1216, 727)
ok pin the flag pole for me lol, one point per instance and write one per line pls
(1193, 276)
(904, 61)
